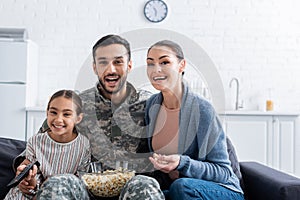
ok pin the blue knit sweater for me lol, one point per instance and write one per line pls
(202, 141)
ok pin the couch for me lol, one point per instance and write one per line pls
(264, 183)
(9, 149)
(258, 181)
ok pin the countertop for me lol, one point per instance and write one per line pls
(260, 113)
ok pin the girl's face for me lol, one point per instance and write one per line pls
(61, 119)
(163, 68)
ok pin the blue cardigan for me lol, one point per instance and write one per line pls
(202, 141)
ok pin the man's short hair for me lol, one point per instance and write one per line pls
(111, 39)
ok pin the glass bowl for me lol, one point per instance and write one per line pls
(105, 183)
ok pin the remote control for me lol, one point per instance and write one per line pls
(22, 175)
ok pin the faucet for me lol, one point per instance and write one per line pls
(237, 104)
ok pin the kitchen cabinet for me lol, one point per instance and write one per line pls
(270, 138)
(34, 120)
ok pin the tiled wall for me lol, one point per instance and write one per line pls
(257, 41)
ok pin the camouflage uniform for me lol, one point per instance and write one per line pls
(141, 187)
(118, 133)
(70, 187)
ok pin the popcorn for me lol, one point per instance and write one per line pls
(107, 184)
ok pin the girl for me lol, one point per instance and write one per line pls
(61, 149)
(185, 134)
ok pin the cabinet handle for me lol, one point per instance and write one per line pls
(275, 120)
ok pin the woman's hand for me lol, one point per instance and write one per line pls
(165, 163)
(29, 182)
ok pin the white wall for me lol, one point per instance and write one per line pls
(257, 41)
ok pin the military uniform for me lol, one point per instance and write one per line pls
(70, 187)
(116, 132)
(141, 187)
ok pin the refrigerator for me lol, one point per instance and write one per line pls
(18, 81)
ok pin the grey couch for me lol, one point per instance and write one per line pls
(264, 183)
(259, 182)
(9, 149)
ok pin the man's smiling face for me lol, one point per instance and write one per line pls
(111, 65)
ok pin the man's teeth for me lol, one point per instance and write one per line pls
(111, 78)
(157, 78)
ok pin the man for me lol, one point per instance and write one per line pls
(113, 110)
(113, 117)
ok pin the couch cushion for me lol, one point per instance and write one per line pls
(234, 161)
(263, 182)
(10, 148)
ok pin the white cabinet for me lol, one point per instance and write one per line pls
(284, 143)
(250, 136)
(269, 138)
(34, 118)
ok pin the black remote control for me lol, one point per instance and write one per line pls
(22, 175)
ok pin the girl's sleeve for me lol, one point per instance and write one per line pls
(31, 156)
(30, 150)
(87, 152)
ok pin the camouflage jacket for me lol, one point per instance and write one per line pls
(116, 133)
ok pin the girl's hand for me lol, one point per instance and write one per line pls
(29, 182)
(165, 163)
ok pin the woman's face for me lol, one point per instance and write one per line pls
(163, 68)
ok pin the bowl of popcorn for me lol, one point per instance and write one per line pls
(102, 182)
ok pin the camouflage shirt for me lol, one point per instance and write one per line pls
(115, 132)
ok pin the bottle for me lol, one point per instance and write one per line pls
(269, 105)
(269, 102)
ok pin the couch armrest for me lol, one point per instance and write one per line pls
(262, 182)
(9, 149)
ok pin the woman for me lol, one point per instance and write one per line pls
(185, 134)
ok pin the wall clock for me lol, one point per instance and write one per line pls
(155, 10)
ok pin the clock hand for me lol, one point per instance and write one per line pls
(155, 12)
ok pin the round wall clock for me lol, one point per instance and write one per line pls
(155, 10)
